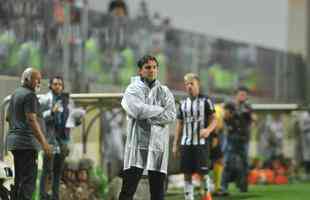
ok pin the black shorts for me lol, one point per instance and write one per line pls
(194, 159)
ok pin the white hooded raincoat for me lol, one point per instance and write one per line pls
(149, 111)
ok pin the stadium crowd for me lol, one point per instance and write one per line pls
(211, 138)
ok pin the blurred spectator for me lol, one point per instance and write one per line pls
(115, 25)
(7, 47)
(143, 16)
(303, 141)
(113, 141)
(118, 8)
(216, 148)
(114, 39)
(272, 136)
(29, 54)
(93, 59)
(127, 68)
(82, 191)
(67, 187)
(158, 52)
(280, 169)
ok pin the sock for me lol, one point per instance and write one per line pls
(207, 183)
(189, 191)
(218, 171)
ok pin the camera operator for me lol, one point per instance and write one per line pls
(238, 119)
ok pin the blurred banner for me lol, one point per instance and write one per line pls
(103, 49)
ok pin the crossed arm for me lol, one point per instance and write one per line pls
(134, 105)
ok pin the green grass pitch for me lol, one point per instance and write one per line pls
(296, 191)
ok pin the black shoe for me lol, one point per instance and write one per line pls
(222, 194)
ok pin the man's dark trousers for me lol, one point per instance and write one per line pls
(25, 164)
(131, 179)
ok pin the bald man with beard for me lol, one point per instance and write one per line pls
(25, 133)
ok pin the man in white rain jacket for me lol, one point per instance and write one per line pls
(150, 107)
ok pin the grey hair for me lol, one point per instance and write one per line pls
(26, 75)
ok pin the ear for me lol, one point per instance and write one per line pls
(139, 71)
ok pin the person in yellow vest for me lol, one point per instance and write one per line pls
(7, 51)
(127, 69)
(93, 58)
(29, 55)
(216, 149)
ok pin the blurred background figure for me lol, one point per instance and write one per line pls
(56, 107)
(303, 142)
(69, 180)
(272, 137)
(113, 140)
(238, 120)
(217, 146)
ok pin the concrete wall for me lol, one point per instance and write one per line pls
(297, 28)
(7, 85)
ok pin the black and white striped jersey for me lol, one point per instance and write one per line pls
(195, 115)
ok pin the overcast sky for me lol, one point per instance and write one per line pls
(261, 22)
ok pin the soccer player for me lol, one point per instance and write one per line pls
(195, 122)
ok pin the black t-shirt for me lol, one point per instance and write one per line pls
(20, 134)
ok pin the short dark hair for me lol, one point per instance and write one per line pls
(242, 89)
(117, 4)
(145, 59)
(230, 107)
(53, 78)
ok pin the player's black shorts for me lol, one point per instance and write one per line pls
(194, 159)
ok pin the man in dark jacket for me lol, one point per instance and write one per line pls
(55, 108)
(238, 119)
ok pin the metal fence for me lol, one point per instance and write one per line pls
(60, 38)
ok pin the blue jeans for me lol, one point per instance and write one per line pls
(235, 165)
